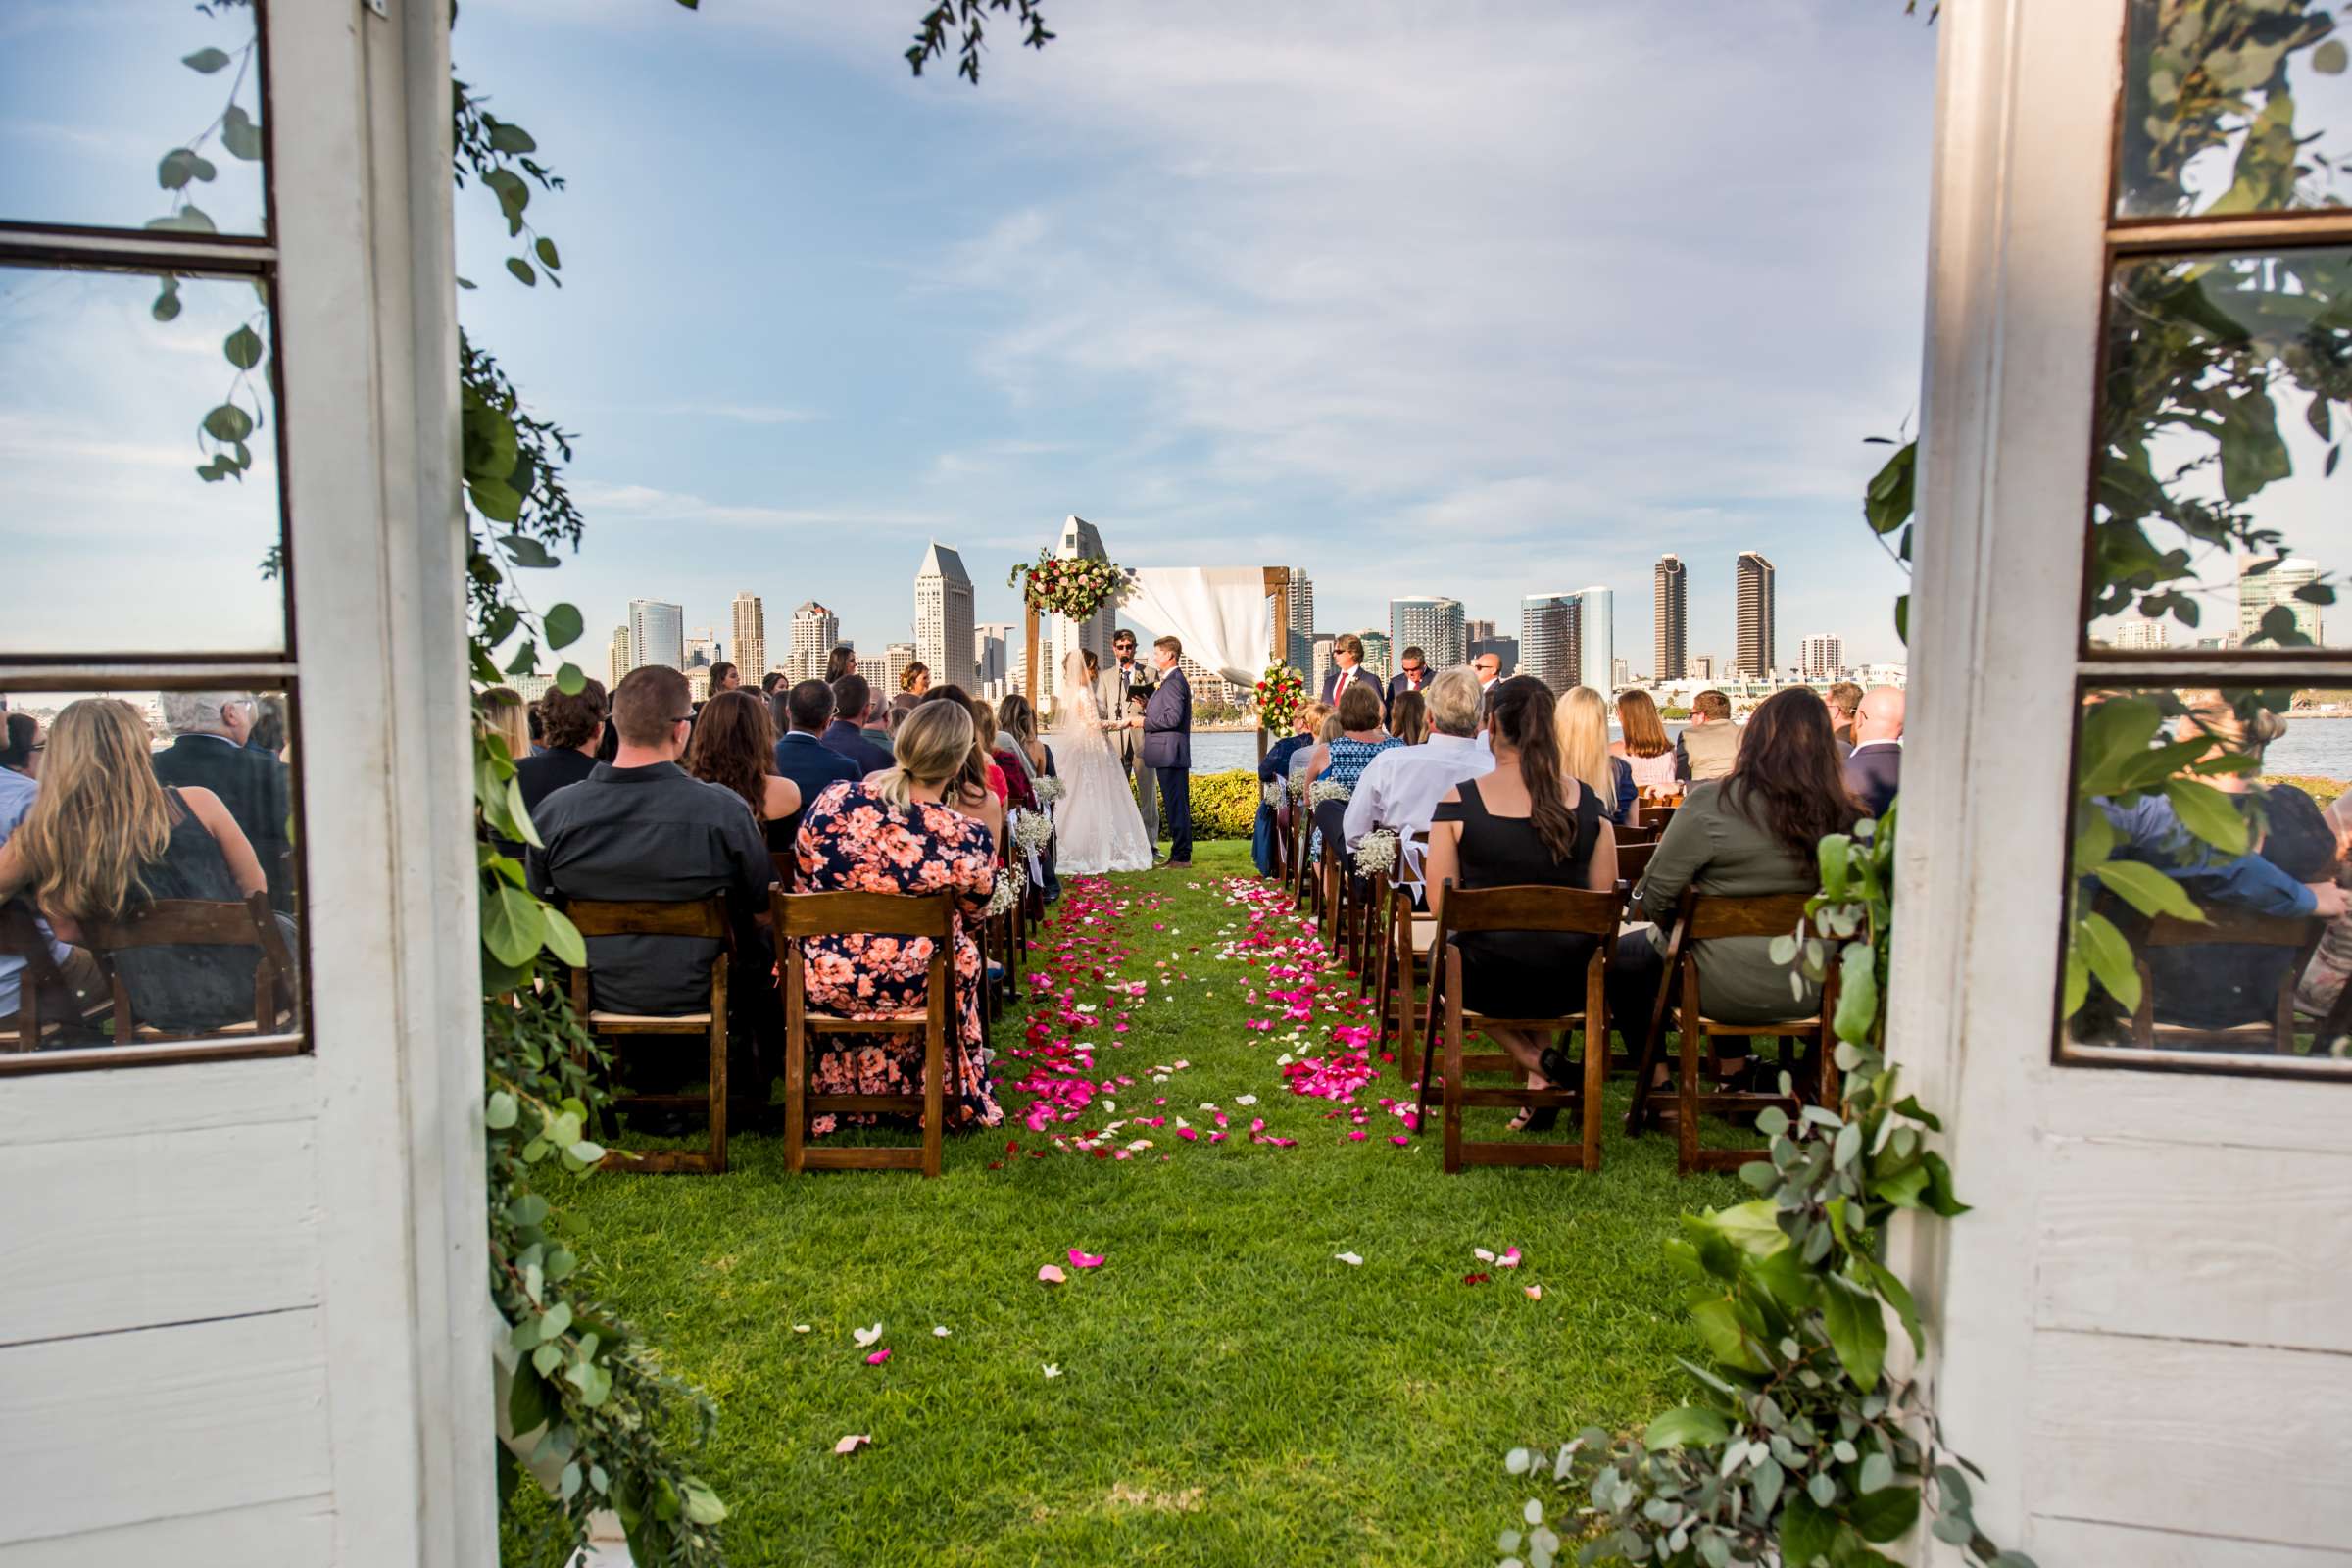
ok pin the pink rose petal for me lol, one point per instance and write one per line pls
(853, 1442)
(1509, 1260)
(878, 1357)
(1051, 1275)
(1084, 1259)
(1534, 1293)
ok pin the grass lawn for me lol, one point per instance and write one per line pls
(1229, 1391)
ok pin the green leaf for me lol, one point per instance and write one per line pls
(527, 1406)
(2209, 813)
(501, 1112)
(522, 270)
(1752, 1227)
(2078, 980)
(2329, 58)
(564, 938)
(228, 422)
(525, 661)
(205, 61)
(1877, 1473)
(546, 249)
(703, 1505)
(1766, 1484)
(528, 551)
(1686, 1426)
(189, 220)
(506, 137)
(512, 928)
(570, 681)
(562, 626)
(1885, 1512)
(176, 167)
(2109, 955)
(2114, 736)
(1898, 1297)
(2147, 890)
(495, 500)
(1857, 993)
(1857, 1332)
(240, 136)
(1808, 1533)
(1903, 618)
(243, 348)
(166, 301)
(2094, 839)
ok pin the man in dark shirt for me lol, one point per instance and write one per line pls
(209, 752)
(571, 723)
(803, 758)
(851, 698)
(640, 827)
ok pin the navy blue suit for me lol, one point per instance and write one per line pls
(803, 759)
(1873, 774)
(847, 740)
(1401, 683)
(1168, 752)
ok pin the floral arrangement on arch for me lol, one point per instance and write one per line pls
(1280, 691)
(1075, 586)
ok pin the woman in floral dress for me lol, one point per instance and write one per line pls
(890, 834)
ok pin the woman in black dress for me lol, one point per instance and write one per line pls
(734, 745)
(1525, 824)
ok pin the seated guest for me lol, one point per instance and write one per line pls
(1303, 761)
(1412, 676)
(1645, 747)
(1343, 761)
(774, 681)
(2226, 985)
(1710, 743)
(1526, 821)
(102, 838)
(1754, 832)
(1275, 768)
(979, 790)
(270, 733)
(1401, 788)
(570, 725)
(841, 661)
(894, 833)
(1017, 735)
(876, 727)
(845, 734)
(642, 829)
(724, 677)
(734, 745)
(506, 716)
(1020, 786)
(1583, 721)
(1409, 716)
(1873, 769)
(1846, 703)
(913, 687)
(209, 752)
(800, 756)
(20, 771)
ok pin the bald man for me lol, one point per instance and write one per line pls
(1875, 770)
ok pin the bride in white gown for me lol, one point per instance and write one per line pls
(1095, 822)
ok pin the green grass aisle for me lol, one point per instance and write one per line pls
(1228, 1391)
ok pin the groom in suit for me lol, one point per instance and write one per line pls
(1168, 746)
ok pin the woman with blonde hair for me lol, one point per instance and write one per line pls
(504, 715)
(1647, 750)
(895, 832)
(104, 839)
(1582, 720)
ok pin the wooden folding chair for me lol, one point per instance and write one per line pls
(2223, 928)
(200, 923)
(21, 937)
(800, 916)
(1546, 908)
(1711, 918)
(705, 918)
(1405, 942)
(1633, 862)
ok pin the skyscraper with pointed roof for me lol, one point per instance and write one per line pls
(943, 616)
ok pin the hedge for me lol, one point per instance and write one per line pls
(1224, 804)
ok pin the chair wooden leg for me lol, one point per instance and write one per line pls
(1686, 1129)
(796, 1066)
(1597, 1056)
(718, 1066)
(935, 1062)
(1454, 1061)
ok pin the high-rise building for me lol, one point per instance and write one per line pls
(616, 660)
(656, 634)
(2142, 633)
(698, 684)
(1319, 662)
(814, 630)
(1504, 648)
(1670, 619)
(1298, 648)
(1080, 541)
(2259, 591)
(1702, 666)
(1596, 611)
(1757, 648)
(1478, 631)
(1210, 688)
(1378, 657)
(1551, 639)
(1821, 656)
(1620, 675)
(896, 660)
(943, 616)
(992, 644)
(1433, 625)
(751, 637)
(702, 648)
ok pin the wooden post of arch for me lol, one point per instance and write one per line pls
(1278, 588)
(1029, 613)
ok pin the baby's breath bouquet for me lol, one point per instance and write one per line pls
(1050, 790)
(1010, 879)
(1326, 790)
(1376, 853)
(1032, 831)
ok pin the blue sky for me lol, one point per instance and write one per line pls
(1475, 299)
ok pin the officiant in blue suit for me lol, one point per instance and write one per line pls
(1168, 746)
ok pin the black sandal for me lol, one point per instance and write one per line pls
(1533, 1120)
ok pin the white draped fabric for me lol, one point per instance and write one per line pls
(1220, 613)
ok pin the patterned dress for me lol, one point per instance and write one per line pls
(1348, 760)
(853, 841)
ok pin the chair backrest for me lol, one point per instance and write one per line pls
(634, 918)
(1711, 917)
(788, 866)
(2227, 927)
(1536, 906)
(21, 937)
(881, 914)
(200, 923)
(1632, 861)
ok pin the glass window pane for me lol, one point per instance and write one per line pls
(2218, 519)
(113, 540)
(2206, 893)
(2233, 108)
(131, 114)
(151, 835)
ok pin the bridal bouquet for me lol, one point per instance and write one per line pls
(1068, 585)
(1007, 893)
(1050, 790)
(1376, 853)
(1032, 831)
(1324, 790)
(1280, 691)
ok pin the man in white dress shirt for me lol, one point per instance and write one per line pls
(1401, 786)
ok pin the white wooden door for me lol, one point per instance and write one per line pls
(242, 1306)
(2145, 1322)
